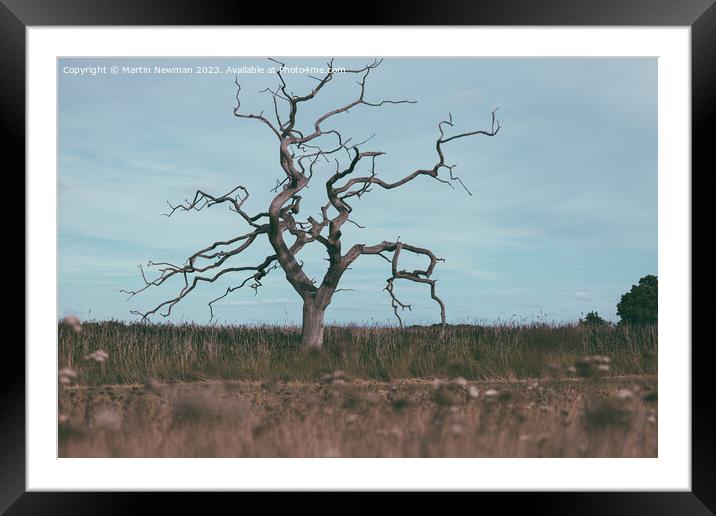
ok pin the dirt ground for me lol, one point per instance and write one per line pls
(341, 417)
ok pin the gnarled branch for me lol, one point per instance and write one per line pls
(432, 172)
(417, 276)
(203, 200)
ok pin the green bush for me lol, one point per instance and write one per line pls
(593, 319)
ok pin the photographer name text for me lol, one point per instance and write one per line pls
(91, 71)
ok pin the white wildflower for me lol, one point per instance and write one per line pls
(66, 375)
(98, 356)
(460, 381)
(625, 394)
(73, 322)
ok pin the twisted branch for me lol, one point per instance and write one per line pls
(203, 200)
(417, 275)
(432, 172)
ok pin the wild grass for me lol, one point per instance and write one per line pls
(479, 391)
(341, 417)
(190, 352)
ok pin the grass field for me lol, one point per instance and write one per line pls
(498, 391)
(188, 352)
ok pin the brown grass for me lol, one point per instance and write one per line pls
(550, 418)
(190, 352)
(499, 391)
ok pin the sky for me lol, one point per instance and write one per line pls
(562, 219)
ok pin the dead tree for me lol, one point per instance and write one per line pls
(301, 154)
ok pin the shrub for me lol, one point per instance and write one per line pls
(593, 319)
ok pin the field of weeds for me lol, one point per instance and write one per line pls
(614, 417)
(190, 352)
(499, 391)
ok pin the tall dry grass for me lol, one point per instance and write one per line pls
(191, 352)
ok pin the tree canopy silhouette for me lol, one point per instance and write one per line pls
(641, 304)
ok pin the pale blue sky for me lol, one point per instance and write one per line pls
(563, 217)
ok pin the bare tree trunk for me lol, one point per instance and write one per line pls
(313, 324)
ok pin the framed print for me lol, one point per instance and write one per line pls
(434, 251)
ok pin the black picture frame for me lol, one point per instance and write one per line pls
(700, 15)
